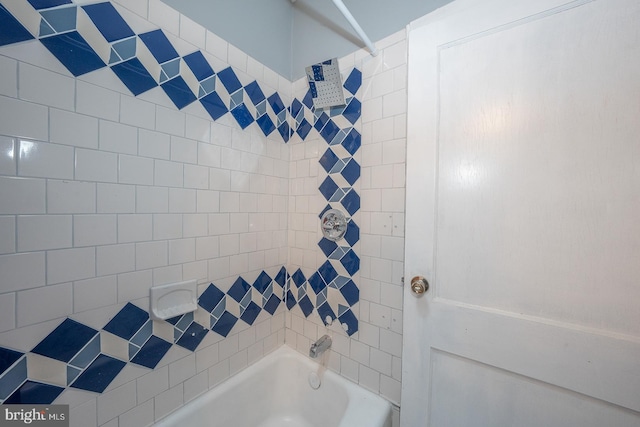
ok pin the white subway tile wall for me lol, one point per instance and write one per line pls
(105, 194)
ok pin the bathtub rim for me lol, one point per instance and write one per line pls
(379, 410)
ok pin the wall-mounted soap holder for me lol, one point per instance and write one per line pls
(333, 225)
(173, 299)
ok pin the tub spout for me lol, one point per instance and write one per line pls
(320, 346)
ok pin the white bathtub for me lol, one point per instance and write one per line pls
(275, 392)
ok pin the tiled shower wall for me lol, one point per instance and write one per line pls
(104, 195)
(372, 356)
(125, 219)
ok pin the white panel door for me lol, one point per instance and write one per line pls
(523, 212)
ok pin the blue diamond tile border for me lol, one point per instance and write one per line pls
(90, 369)
(61, 34)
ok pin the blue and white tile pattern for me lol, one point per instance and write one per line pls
(89, 37)
(90, 359)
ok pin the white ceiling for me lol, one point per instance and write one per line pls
(288, 36)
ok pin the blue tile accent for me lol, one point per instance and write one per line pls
(124, 49)
(99, 374)
(210, 298)
(159, 46)
(272, 304)
(74, 52)
(328, 188)
(351, 172)
(13, 377)
(255, 93)
(58, 32)
(329, 131)
(127, 322)
(266, 124)
(327, 246)
(350, 319)
(170, 70)
(184, 322)
(322, 119)
(353, 110)
(237, 98)
(276, 103)
(88, 353)
(328, 160)
(352, 142)
(134, 76)
(327, 272)
(340, 136)
(44, 4)
(304, 128)
(65, 341)
(108, 21)
(291, 300)
(338, 253)
(308, 100)
(174, 320)
(339, 282)
(229, 80)
(198, 65)
(302, 291)
(59, 20)
(337, 168)
(298, 278)
(34, 393)
(224, 325)
(354, 81)
(261, 108)
(242, 116)
(72, 374)
(352, 236)
(285, 131)
(214, 105)
(7, 358)
(45, 29)
(179, 93)
(350, 292)
(306, 306)
(338, 195)
(239, 289)
(262, 282)
(143, 334)
(281, 277)
(192, 336)
(336, 111)
(296, 108)
(207, 86)
(251, 313)
(351, 202)
(316, 283)
(350, 262)
(152, 352)
(325, 310)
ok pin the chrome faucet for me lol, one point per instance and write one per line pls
(320, 346)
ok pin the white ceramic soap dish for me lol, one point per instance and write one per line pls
(173, 299)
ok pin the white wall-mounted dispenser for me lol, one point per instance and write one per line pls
(173, 299)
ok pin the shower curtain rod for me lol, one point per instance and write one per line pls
(342, 8)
